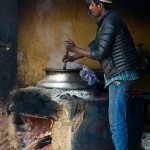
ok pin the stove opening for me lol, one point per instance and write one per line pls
(33, 133)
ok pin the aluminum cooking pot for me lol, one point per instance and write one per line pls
(63, 79)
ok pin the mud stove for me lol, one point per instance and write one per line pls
(43, 118)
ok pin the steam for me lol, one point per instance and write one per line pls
(43, 6)
(53, 40)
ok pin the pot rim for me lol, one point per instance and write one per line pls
(61, 70)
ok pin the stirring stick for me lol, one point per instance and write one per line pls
(65, 64)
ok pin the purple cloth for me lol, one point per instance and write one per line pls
(86, 74)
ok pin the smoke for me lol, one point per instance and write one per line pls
(53, 31)
(43, 6)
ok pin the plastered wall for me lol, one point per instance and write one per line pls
(44, 25)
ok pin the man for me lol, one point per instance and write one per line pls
(114, 48)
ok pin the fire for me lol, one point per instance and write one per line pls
(46, 133)
(51, 123)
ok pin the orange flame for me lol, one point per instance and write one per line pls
(47, 133)
(51, 123)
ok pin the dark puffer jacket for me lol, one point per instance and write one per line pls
(113, 45)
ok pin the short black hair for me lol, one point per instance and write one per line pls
(106, 5)
(97, 2)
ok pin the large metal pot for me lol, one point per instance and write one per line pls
(63, 79)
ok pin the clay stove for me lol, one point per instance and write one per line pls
(64, 114)
(73, 119)
(36, 111)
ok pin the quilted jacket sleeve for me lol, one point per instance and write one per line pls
(93, 45)
(105, 39)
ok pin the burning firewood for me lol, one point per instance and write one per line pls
(44, 142)
(40, 144)
(47, 147)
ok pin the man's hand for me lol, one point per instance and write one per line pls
(79, 52)
(68, 58)
(69, 44)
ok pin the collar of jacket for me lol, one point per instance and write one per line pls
(101, 18)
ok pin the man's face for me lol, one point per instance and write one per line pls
(95, 10)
